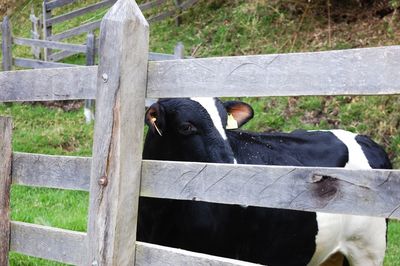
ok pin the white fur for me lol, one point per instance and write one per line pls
(211, 108)
(361, 239)
(209, 105)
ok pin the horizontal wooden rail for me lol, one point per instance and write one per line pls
(60, 55)
(187, 4)
(336, 190)
(367, 71)
(333, 190)
(155, 255)
(162, 16)
(35, 63)
(79, 12)
(66, 172)
(48, 84)
(145, 6)
(76, 31)
(57, 3)
(50, 44)
(48, 243)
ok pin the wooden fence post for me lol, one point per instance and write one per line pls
(90, 61)
(179, 51)
(47, 29)
(178, 19)
(5, 183)
(35, 33)
(118, 136)
(6, 44)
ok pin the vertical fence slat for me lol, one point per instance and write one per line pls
(179, 51)
(47, 29)
(90, 61)
(116, 165)
(5, 182)
(6, 44)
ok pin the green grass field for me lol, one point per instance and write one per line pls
(216, 28)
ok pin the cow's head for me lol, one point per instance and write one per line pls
(183, 129)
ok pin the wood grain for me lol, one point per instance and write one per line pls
(50, 44)
(6, 44)
(5, 184)
(365, 71)
(155, 255)
(34, 63)
(48, 84)
(39, 170)
(48, 242)
(205, 77)
(118, 136)
(332, 190)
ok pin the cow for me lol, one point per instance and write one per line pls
(205, 130)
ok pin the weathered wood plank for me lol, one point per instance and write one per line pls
(364, 71)
(5, 184)
(51, 44)
(90, 26)
(179, 51)
(151, 4)
(79, 12)
(90, 61)
(334, 190)
(60, 55)
(155, 255)
(47, 29)
(48, 84)
(162, 16)
(6, 44)
(160, 57)
(57, 3)
(35, 63)
(48, 242)
(191, 78)
(187, 4)
(118, 136)
(39, 170)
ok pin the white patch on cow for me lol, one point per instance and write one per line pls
(361, 239)
(357, 159)
(210, 106)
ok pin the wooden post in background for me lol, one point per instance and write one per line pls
(178, 19)
(47, 29)
(118, 136)
(5, 183)
(6, 44)
(35, 33)
(90, 61)
(179, 51)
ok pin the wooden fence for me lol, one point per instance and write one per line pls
(116, 174)
(48, 20)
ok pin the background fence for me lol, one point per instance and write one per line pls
(117, 175)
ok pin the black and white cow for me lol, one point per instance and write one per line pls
(195, 129)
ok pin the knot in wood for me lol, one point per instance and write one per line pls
(103, 181)
(104, 77)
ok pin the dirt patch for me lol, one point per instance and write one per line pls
(8, 6)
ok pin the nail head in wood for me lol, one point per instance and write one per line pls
(104, 77)
(103, 181)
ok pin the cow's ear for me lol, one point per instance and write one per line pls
(155, 118)
(238, 112)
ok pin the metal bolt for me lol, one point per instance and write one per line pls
(103, 181)
(104, 77)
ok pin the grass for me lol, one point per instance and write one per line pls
(217, 28)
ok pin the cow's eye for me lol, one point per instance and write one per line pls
(187, 129)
